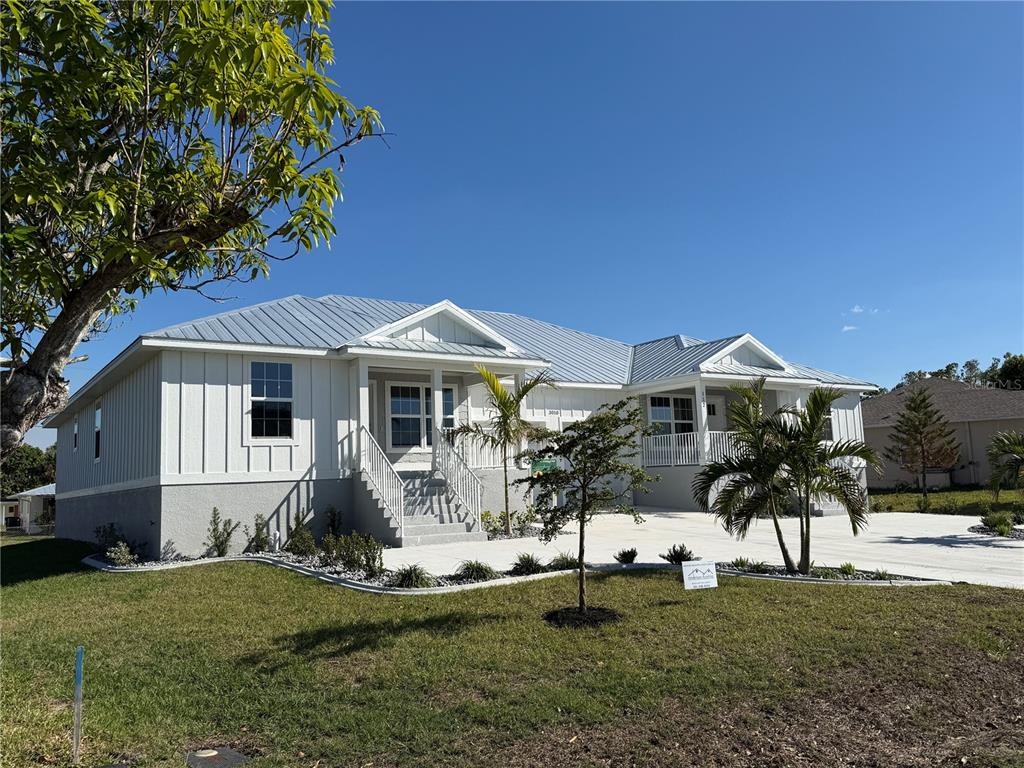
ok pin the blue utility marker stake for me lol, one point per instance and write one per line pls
(77, 735)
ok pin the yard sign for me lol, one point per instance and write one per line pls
(699, 574)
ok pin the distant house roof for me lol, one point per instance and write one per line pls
(957, 400)
(42, 490)
(333, 321)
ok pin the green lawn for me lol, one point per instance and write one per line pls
(951, 502)
(305, 674)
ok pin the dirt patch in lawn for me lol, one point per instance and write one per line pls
(968, 714)
(573, 618)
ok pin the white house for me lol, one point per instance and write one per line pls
(311, 404)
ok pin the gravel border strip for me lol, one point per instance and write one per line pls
(375, 589)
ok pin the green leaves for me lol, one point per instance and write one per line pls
(184, 139)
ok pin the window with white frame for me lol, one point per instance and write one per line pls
(827, 434)
(270, 393)
(74, 435)
(97, 427)
(671, 415)
(410, 420)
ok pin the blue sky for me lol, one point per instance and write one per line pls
(637, 170)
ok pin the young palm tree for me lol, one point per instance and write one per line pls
(1006, 457)
(507, 428)
(753, 481)
(816, 468)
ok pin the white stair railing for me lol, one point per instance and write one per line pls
(381, 472)
(462, 481)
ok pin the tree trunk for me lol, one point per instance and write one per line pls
(805, 543)
(924, 474)
(504, 468)
(582, 568)
(786, 557)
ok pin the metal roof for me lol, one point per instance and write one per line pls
(42, 490)
(335, 321)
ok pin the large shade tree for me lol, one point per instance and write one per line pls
(161, 145)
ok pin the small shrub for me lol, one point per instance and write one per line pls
(984, 508)
(355, 552)
(759, 566)
(218, 535)
(924, 504)
(563, 561)
(829, 574)
(493, 524)
(108, 536)
(677, 554)
(412, 577)
(490, 523)
(742, 563)
(259, 537)
(329, 549)
(848, 569)
(882, 575)
(300, 539)
(1000, 522)
(1017, 512)
(626, 555)
(475, 570)
(121, 554)
(527, 565)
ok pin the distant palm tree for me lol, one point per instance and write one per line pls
(507, 428)
(1006, 457)
(815, 468)
(752, 480)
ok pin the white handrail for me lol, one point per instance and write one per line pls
(382, 474)
(462, 481)
(673, 450)
(478, 455)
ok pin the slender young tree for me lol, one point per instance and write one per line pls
(814, 468)
(507, 429)
(921, 439)
(1006, 459)
(751, 483)
(153, 145)
(595, 471)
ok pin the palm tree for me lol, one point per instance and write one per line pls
(1006, 457)
(507, 427)
(814, 467)
(752, 480)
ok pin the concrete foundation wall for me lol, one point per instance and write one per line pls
(494, 489)
(135, 512)
(671, 490)
(186, 509)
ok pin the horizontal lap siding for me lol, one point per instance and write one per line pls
(129, 438)
(206, 408)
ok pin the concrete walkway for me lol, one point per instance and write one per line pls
(929, 546)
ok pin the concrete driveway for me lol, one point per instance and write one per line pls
(913, 544)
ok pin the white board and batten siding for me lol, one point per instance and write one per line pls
(442, 327)
(554, 407)
(205, 419)
(129, 435)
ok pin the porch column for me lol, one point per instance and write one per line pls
(701, 414)
(362, 405)
(436, 410)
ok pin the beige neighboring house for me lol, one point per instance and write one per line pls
(975, 413)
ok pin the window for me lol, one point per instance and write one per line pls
(271, 396)
(74, 436)
(671, 415)
(712, 409)
(97, 425)
(410, 419)
(827, 433)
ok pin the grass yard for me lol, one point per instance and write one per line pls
(949, 502)
(301, 673)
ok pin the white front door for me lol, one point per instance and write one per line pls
(716, 413)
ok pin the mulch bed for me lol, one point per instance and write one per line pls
(1016, 533)
(572, 618)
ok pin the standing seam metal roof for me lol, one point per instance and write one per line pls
(333, 321)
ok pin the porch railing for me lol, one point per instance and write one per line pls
(462, 481)
(477, 454)
(671, 450)
(720, 445)
(383, 477)
(682, 449)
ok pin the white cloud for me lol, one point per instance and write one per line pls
(848, 328)
(874, 311)
(856, 309)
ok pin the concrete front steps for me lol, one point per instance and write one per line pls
(432, 514)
